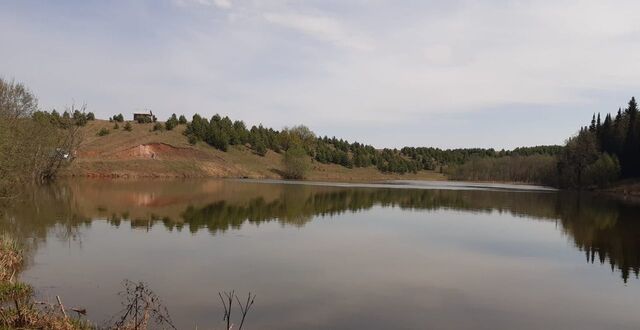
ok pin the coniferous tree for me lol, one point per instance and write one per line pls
(592, 127)
(630, 157)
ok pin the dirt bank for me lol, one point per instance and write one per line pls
(144, 153)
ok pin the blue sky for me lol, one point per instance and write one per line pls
(391, 73)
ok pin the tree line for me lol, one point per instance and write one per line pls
(606, 150)
(222, 132)
(600, 154)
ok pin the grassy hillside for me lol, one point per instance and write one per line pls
(143, 152)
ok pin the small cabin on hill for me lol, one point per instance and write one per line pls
(143, 117)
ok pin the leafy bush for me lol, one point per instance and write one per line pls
(119, 118)
(127, 127)
(296, 163)
(103, 131)
(171, 122)
(261, 148)
(603, 171)
(182, 120)
(157, 127)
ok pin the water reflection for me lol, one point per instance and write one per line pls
(606, 230)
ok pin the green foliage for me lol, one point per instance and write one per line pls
(220, 132)
(537, 168)
(91, 116)
(603, 172)
(171, 122)
(296, 163)
(580, 152)
(260, 147)
(182, 120)
(103, 131)
(128, 127)
(619, 136)
(157, 127)
(118, 118)
(601, 153)
(34, 144)
(14, 291)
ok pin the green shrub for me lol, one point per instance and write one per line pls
(14, 291)
(171, 122)
(157, 127)
(261, 149)
(127, 127)
(103, 131)
(296, 163)
(603, 171)
(182, 120)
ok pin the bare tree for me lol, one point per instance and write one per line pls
(33, 146)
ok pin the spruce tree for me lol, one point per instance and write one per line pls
(631, 159)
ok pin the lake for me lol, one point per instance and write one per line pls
(407, 255)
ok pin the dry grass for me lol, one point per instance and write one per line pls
(18, 309)
(166, 154)
(10, 258)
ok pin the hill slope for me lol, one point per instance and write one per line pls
(145, 153)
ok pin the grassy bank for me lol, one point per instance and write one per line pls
(18, 308)
(145, 153)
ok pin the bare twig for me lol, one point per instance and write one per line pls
(245, 308)
(141, 306)
(227, 302)
(61, 307)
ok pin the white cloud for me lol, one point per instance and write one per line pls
(323, 28)
(364, 64)
(224, 4)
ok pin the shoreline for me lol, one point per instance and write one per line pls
(628, 191)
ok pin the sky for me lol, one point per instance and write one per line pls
(390, 73)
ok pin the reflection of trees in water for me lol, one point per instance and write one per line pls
(39, 212)
(606, 230)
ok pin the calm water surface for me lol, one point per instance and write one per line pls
(406, 256)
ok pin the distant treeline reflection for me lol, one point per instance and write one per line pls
(606, 230)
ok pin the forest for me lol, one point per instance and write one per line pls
(601, 153)
(222, 132)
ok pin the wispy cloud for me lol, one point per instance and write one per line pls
(225, 4)
(389, 72)
(322, 28)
